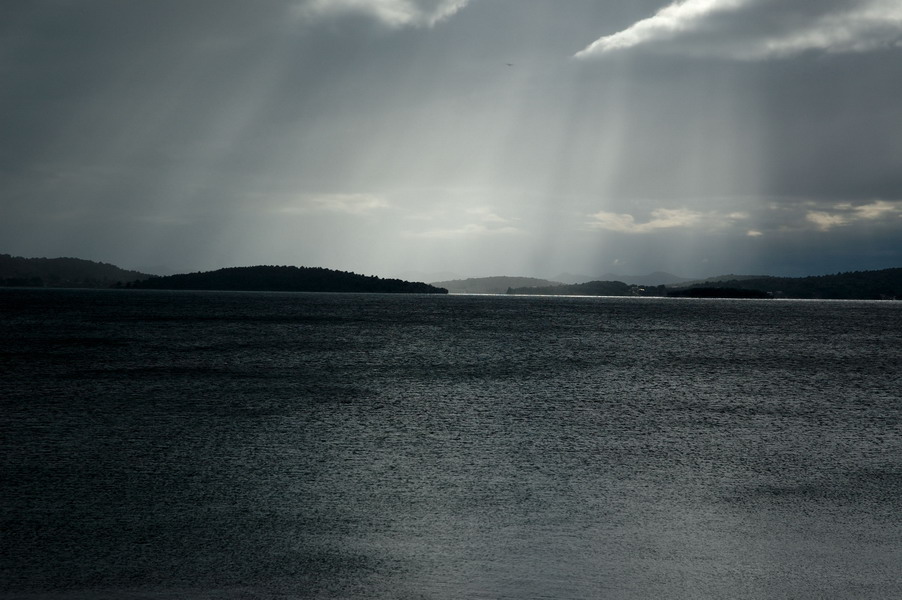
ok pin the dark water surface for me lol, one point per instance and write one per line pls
(240, 445)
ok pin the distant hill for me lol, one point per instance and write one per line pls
(656, 278)
(590, 288)
(491, 285)
(285, 279)
(62, 272)
(855, 285)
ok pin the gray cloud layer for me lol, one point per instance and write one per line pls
(397, 136)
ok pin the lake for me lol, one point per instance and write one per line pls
(162, 445)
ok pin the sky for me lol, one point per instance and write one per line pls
(436, 139)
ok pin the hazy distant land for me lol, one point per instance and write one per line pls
(885, 284)
(16, 271)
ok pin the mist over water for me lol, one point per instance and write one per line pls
(263, 445)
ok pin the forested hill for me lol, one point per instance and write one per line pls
(62, 272)
(285, 279)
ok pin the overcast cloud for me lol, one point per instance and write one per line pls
(480, 137)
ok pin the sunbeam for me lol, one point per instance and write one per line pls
(452, 136)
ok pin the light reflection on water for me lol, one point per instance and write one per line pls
(341, 446)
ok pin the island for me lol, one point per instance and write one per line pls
(284, 279)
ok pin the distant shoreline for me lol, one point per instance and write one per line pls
(74, 273)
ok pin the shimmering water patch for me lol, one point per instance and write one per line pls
(166, 445)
